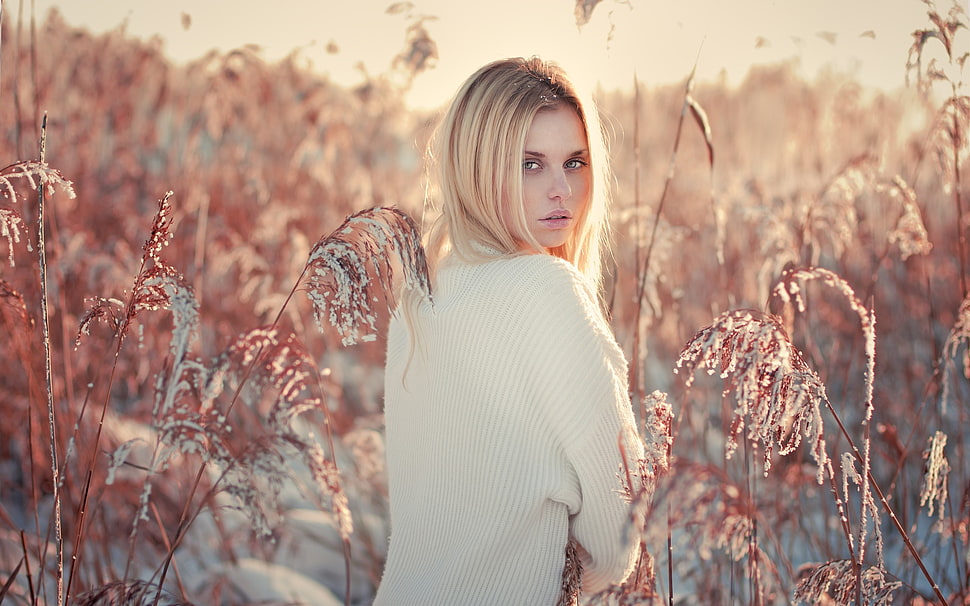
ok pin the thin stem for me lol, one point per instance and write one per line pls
(754, 578)
(645, 268)
(887, 507)
(843, 514)
(48, 376)
(33, 61)
(961, 577)
(1, 43)
(635, 388)
(18, 110)
(670, 557)
(30, 578)
(185, 520)
(168, 545)
(955, 138)
(95, 448)
(184, 523)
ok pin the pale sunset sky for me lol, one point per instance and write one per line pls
(659, 40)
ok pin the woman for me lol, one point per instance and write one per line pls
(506, 403)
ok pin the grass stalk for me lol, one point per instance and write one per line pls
(186, 519)
(18, 108)
(689, 104)
(886, 506)
(956, 138)
(9, 581)
(635, 387)
(1, 45)
(48, 375)
(644, 266)
(120, 335)
(670, 556)
(30, 578)
(328, 425)
(184, 523)
(168, 545)
(867, 318)
(82, 509)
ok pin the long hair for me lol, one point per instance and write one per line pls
(475, 167)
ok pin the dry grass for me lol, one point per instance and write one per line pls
(809, 445)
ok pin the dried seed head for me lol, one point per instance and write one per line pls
(127, 593)
(10, 225)
(959, 337)
(778, 397)
(572, 576)
(835, 582)
(343, 267)
(161, 232)
(909, 235)
(934, 493)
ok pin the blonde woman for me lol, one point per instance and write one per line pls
(506, 405)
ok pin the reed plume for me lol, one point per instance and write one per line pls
(35, 175)
(777, 396)
(345, 265)
(934, 493)
(131, 593)
(835, 583)
(957, 339)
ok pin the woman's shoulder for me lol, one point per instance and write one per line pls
(555, 279)
(542, 273)
(523, 282)
(548, 265)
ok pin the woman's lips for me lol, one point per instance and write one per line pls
(557, 219)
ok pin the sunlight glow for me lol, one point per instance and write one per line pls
(659, 41)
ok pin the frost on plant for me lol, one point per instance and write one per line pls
(790, 291)
(158, 285)
(271, 381)
(282, 386)
(776, 394)
(909, 235)
(835, 583)
(343, 268)
(327, 477)
(10, 298)
(933, 494)
(657, 439)
(959, 336)
(639, 478)
(35, 175)
(572, 576)
(130, 593)
(10, 226)
(831, 219)
(709, 514)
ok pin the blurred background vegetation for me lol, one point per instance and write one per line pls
(266, 157)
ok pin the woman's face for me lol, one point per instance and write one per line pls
(556, 175)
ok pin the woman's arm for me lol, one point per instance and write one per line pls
(582, 374)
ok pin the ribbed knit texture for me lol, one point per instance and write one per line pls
(503, 438)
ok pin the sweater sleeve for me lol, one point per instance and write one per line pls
(582, 374)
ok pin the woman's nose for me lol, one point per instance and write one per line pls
(559, 189)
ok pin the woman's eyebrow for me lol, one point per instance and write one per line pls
(578, 152)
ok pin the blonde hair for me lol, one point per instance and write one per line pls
(475, 167)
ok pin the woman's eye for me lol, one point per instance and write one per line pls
(575, 163)
(530, 165)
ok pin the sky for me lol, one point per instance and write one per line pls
(658, 40)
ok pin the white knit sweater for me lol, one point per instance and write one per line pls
(502, 439)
